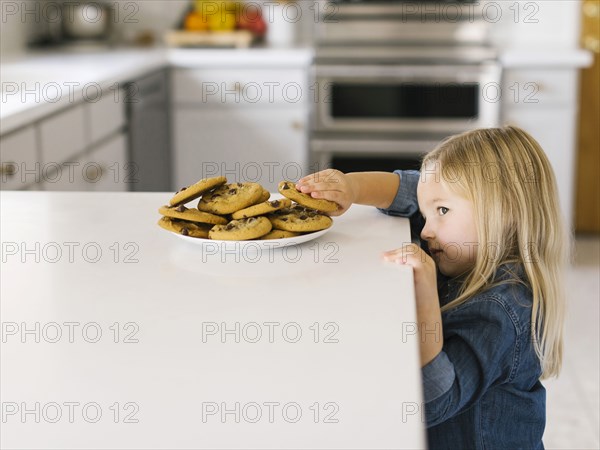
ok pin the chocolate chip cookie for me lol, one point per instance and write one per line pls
(288, 189)
(266, 195)
(241, 230)
(197, 230)
(189, 193)
(230, 198)
(262, 208)
(190, 214)
(279, 234)
(299, 219)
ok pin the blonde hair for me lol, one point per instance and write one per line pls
(506, 175)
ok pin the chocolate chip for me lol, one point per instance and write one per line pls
(285, 186)
(284, 219)
(181, 208)
(232, 191)
(303, 217)
(275, 203)
(185, 232)
(230, 226)
(240, 184)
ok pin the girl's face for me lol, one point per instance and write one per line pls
(450, 229)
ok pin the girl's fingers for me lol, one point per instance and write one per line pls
(402, 254)
(323, 185)
(316, 177)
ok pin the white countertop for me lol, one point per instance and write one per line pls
(163, 292)
(37, 84)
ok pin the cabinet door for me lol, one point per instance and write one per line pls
(63, 135)
(67, 176)
(554, 130)
(107, 115)
(235, 88)
(107, 169)
(20, 165)
(243, 144)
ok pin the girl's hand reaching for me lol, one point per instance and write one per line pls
(330, 184)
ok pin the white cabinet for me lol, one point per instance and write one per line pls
(107, 169)
(65, 176)
(263, 146)
(239, 87)
(19, 163)
(248, 124)
(63, 135)
(106, 116)
(80, 148)
(543, 102)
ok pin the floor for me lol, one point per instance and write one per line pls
(573, 405)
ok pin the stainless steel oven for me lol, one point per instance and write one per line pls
(384, 98)
(443, 98)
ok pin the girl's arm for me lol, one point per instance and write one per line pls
(365, 188)
(429, 316)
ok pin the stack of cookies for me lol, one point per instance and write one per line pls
(242, 211)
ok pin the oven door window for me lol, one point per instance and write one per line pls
(404, 101)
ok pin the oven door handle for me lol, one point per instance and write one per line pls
(372, 146)
(459, 73)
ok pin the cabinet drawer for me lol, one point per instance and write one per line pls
(107, 169)
(539, 87)
(239, 87)
(20, 163)
(63, 136)
(66, 176)
(106, 115)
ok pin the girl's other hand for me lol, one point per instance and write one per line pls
(429, 316)
(424, 271)
(329, 184)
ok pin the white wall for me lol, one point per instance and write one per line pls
(548, 23)
(521, 23)
(156, 16)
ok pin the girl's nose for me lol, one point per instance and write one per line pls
(427, 233)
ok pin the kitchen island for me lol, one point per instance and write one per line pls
(118, 334)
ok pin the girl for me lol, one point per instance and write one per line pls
(488, 280)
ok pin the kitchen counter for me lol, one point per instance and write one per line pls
(122, 335)
(37, 84)
(62, 76)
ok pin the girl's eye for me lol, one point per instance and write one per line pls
(442, 210)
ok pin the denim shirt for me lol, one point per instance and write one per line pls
(482, 391)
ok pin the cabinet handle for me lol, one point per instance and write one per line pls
(297, 125)
(8, 170)
(100, 171)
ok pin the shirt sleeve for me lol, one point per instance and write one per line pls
(405, 203)
(480, 350)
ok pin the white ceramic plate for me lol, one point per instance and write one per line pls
(215, 246)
